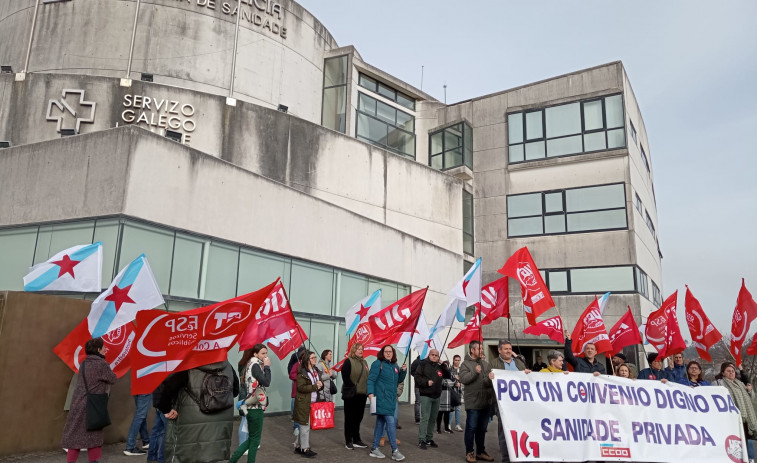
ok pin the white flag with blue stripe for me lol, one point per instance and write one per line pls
(368, 305)
(76, 269)
(133, 289)
(463, 295)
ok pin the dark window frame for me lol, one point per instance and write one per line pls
(633, 131)
(656, 294)
(345, 85)
(638, 204)
(382, 121)
(644, 158)
(469, 197)
(546, 275)
(650, 223)
(466, 130)
(639, 276)
(378, 86)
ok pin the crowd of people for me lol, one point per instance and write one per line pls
(202, 401)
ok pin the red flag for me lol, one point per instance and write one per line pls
(171, 342)
(703, 332)
(495, 301)
(743, 316)
(275, 325)
(590, 329)
(536, 297)
(388, 325)
(662, 329)
(625, 333)
(552, 327)
(118, 343)
(470, 332)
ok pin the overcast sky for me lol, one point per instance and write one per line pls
(693, 68)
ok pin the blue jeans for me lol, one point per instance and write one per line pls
(296, 425)
(385, 423)
(142, 403)
(158, 438)
(750, 448)
(457, 415)
(475, 429)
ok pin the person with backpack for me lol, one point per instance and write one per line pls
(308, 385)
(200, 402)
(257, 377)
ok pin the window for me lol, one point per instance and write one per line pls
(633, 131)
(567, 211)
(590, 280)
(644, 159)
(385, 126)
(641, 283)
(648, 220)
(568, 129)
(386, 91)
(334, 109)
(656, 295)
(637, 203)
(451, 147)
(468, 223)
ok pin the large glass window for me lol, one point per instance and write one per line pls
(567, 211)
(567, 129)
(334, 109)
(644, 159)
(17, 249)
(155, 243)
(312, 288)
(385, 125)
(649, 222)
(656, 295)
(386, 91)
(451, 147)
(590, 280)
(468, 223)
(642, 283)
(637, 203)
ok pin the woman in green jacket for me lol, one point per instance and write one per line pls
(308, 385)
(383, 379)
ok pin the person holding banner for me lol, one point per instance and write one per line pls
(742, 397)
(477, 376)
(354, 394)
(506, 360)
(95, 377)
(257, 377)
(556, 361)
(694, 375)
(308, 385)
(676, 371)
(624, 371)
(383, 379)
(655, 371)
(586, 364)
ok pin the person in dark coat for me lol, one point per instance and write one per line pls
(586, 364)
(96, 372)
(354, 379)
(428, 376)
(655, 372)
(445, 401)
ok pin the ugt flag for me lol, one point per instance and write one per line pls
(590, 329)
(743, 316)
(662, 329)
(74, 269)
(362, 308)
(169, 342)
(551, 327)
(703, 333)
(117, 342)
(536, 296)
(625, 333)
(133, 289)
(275, 325)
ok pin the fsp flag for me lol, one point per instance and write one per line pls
(74, 269)
(743, 316)
(662, 329)
(495, 301)
(275, 325)
(536, 297)
(551, 327)
(581, 417)
(624, 333)
(133, 289)
(703, 333)
(117, 342)
(590, 328)
(362, 308)
(169, 342)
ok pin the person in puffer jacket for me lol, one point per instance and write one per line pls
(383, 379)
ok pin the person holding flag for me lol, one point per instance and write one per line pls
(586, 364)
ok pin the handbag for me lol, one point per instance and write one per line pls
(332, 387)
(454, 397)
(348, 392)
(96, 411)
(321, 415)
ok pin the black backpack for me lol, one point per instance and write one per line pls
(216, 392)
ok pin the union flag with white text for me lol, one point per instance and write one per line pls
(743, 316)
(472, 331)
(662, 329)
(118, 344)
(624, 333)
(590, 329)
(551, 327)
(703, 333)
(495, 301)
(536, 296)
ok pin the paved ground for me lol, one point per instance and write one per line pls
(277, 444)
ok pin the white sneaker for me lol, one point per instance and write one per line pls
(397, 456)
(376, 453)
(458, 428)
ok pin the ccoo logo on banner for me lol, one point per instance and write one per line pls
(580, 417)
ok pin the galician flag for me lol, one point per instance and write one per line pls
(76, 269)
(133, 289)
(368, 305)
(465, 293)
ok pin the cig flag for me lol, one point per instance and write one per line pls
(703, 333)
(743, 316)
(662, 329)
(362, 308)
(536, 296)
(133, 289)
(624, 333)
(76, 269)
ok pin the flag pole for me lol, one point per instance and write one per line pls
(412, 334)
(449, 330)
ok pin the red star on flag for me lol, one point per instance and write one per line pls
(66, 265)
(120, 296)
(363, 311)
(428, 342)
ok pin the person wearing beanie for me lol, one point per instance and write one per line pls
(655, 371)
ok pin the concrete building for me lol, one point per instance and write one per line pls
(233, 147)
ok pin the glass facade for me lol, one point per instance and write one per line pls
(596, 280)
(574, 210)
(385, 126)
(656, 295)
(649, 222)
(566, 130)
(386, 91)
(451, 147)
(334, 108)
(468, 241)
(644, 159)
(194, 271)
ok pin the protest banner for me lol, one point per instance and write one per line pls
(580, 417)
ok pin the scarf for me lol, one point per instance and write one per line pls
(743, 403)
(550, 369)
